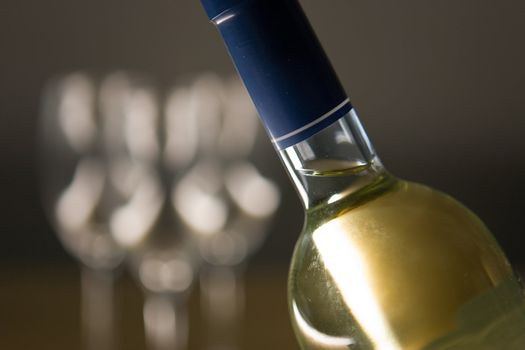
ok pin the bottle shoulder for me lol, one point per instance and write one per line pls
(385, 195)
(403, 263)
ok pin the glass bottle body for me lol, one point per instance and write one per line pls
(382, 263)
(388, 264)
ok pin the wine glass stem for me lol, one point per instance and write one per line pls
(222, 304)
(165, 322)
(97, 309)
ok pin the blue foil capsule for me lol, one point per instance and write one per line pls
(283, 66)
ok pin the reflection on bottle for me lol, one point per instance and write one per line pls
(349, 270)
(314, 336)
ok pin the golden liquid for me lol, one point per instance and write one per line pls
(398, 265)
(331, 167)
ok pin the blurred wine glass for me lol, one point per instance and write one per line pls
(73, 181)
(148, 150)
(225, 201)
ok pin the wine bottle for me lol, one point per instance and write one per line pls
(381, 263)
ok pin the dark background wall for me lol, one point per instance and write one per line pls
(440, 86)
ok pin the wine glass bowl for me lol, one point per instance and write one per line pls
(224, 184)
(237, 201)
(105, 184)
(224, 200)
(73, 180)
(148, 151)
(72, 174)
(162, 182)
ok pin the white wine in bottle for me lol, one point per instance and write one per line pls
(397, 265)
(381, 263)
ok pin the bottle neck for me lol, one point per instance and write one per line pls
(298, 96)
(332, 164)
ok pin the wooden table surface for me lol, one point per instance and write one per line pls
(40, 309)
